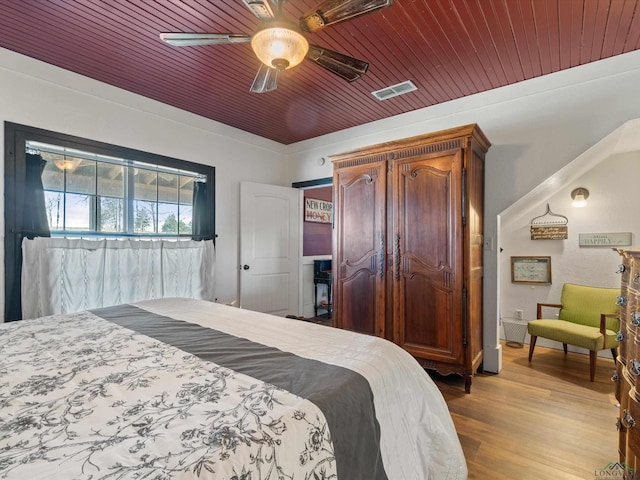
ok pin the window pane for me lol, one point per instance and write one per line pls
(82, 179)
(168, 217)
(186, 190)
(144, 217)
(77, 212)
(89, 191)
(110, 180)
(185, 218)
(111, 215)
(52, 176)
(167, 187)
(145, 182)
(54, 205)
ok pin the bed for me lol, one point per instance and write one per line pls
(179, 389)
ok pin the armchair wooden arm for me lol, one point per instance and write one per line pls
(540, 305)
(603, 321)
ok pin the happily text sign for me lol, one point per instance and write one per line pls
(605, 239)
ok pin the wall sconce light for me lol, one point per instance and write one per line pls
(579, 196)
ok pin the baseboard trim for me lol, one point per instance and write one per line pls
(492, 361)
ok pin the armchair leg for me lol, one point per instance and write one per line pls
(592, 364)
(614, 352)
(564, 346)
(532, 345)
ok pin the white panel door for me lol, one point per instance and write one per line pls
(270, 229)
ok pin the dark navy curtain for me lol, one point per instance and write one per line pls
(34, 223)
(202, 219)
(31, 218)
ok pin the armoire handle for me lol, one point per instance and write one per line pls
(382, 256)
(396, 256)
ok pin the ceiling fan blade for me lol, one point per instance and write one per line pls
(189, 39)
(334, 11)
(266, 80)
(342, 65)
(260, 8)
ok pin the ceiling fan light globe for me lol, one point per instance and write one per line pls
(69, 164)
(280, 63)
(280, 45)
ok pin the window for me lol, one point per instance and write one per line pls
(96, 189)
(90, 193)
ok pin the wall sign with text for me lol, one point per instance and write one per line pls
(555, 232)
(319, 211)
(605, 239)
(531, 270)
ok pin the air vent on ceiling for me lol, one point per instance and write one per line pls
(394, 90)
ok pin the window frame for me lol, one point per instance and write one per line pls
(129, 195)
(16, 136)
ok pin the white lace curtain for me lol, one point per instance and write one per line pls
(63, 275)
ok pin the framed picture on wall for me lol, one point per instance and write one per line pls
(536, 270)
(319, 211)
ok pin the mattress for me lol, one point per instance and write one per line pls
(179, 389)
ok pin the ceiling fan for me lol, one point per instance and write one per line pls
(280, 44)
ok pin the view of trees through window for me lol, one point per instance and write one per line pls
(90, 193)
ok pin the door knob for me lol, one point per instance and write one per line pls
(245, 267)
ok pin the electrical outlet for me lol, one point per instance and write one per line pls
(519, 314)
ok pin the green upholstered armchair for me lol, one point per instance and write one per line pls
(588, 318)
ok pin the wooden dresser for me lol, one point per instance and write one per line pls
(408, 246)
(627, 375)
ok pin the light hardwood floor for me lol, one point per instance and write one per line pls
(538, 421)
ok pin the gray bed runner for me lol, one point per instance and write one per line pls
(344, 396)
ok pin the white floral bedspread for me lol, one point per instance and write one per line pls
(82, 398)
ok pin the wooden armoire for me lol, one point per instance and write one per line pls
(408, 245)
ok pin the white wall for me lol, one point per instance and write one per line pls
(39, 95)
(536, 127)
(610, 209)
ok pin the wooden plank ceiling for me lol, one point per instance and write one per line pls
(448, 48)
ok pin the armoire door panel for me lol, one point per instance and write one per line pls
(425, 302)
(359, 247)
(425, 209)
(359, 308)
(423, 305)
(360, 223)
